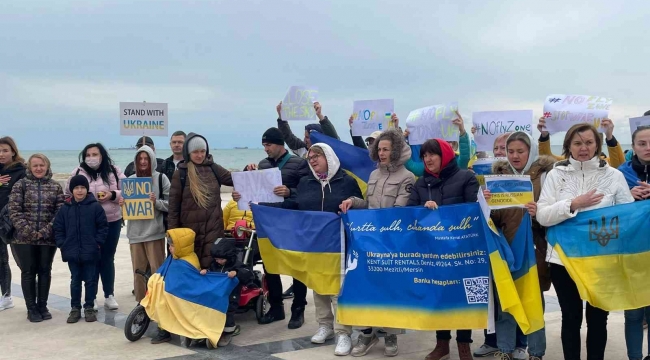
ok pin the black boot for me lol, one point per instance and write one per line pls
(28, 284)
(274, 314)
(43, 294)
(297, 318)
(33, 315)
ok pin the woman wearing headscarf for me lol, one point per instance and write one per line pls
(522, 159)
(444, 183)
(388, 186)
(582, 182)
(32, 213)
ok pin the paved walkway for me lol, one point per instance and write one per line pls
(55, 339)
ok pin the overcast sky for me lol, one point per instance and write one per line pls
(224, 65)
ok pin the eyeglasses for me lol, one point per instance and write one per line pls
(313, 157)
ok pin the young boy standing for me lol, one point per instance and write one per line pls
(80, 228)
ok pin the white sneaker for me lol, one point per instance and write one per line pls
(520, 354)
(110, 303)
(96, 306)
(343, 345)
(323, 334)
(6, 302)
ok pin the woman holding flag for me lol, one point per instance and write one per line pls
(522, 159)
(388, 186)
(323, 190)
(637, 175)
(444, 183)
(580, 183)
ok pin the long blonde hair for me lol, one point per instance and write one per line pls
(198, 188)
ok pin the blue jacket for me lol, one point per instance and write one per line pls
(80, 229)
(312, 196)
(634, 171)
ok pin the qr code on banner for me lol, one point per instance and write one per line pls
(476, 289)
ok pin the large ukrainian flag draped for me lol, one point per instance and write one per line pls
(514, 272)
(307, 245)
(184, 302)
(607, 252)
(355, 161)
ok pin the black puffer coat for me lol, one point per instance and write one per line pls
(16, 172)
(454, 186)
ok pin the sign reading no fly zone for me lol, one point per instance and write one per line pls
(143, 118)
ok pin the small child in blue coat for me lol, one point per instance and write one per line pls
(80, 228)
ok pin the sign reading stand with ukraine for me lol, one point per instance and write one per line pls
(509, 190)
(137, 205)
(415, 268)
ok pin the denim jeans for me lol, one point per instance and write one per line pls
(537, 340)
(82, 271)
(106, 266)
(507, 331)
(520, 343)
(634, 331)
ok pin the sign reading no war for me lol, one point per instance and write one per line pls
(137, 205)
(490, 124)
(143, 118)
(563, 111)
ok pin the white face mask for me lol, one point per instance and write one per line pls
(93, 162)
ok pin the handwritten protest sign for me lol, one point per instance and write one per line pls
(257, 186)
(298, 104)
(137, 205)
(143, 118)
(371, 115)
(433, 122)
(482, 167)
(509, 190)
(490, 124)
(563, 111)
(639, 121)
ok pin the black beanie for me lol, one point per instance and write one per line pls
(273, 136)
(78, 180)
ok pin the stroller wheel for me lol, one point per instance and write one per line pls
(261, 306)
(136, 323)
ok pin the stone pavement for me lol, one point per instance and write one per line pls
(55, 339)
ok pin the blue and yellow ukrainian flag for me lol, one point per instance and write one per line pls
(354, 160)
(514, 272)
(184, 302)
(307, 245)
(607, 252)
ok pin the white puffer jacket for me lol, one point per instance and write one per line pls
(570, 179)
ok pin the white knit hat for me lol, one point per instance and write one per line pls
(196, 143)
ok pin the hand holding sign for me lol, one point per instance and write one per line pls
(608, 126)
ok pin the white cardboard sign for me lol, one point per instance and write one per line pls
(371, 115)
(257, 186)
(563, 111)
(433, 122)
(143, 118)
(490, 124)
(638, 121)
(298, 103)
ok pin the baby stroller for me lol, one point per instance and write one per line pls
(254, 296)
(138, 321)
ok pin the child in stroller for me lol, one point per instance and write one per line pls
(225, 255)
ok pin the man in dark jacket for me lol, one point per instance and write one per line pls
(170, 164)
(80, 228)
(145, 140)
(224, 252)
(292, 168)
(298, 146)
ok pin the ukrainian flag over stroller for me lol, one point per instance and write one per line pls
(184, 302)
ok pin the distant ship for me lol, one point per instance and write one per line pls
(123, 148)
(240, 148)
